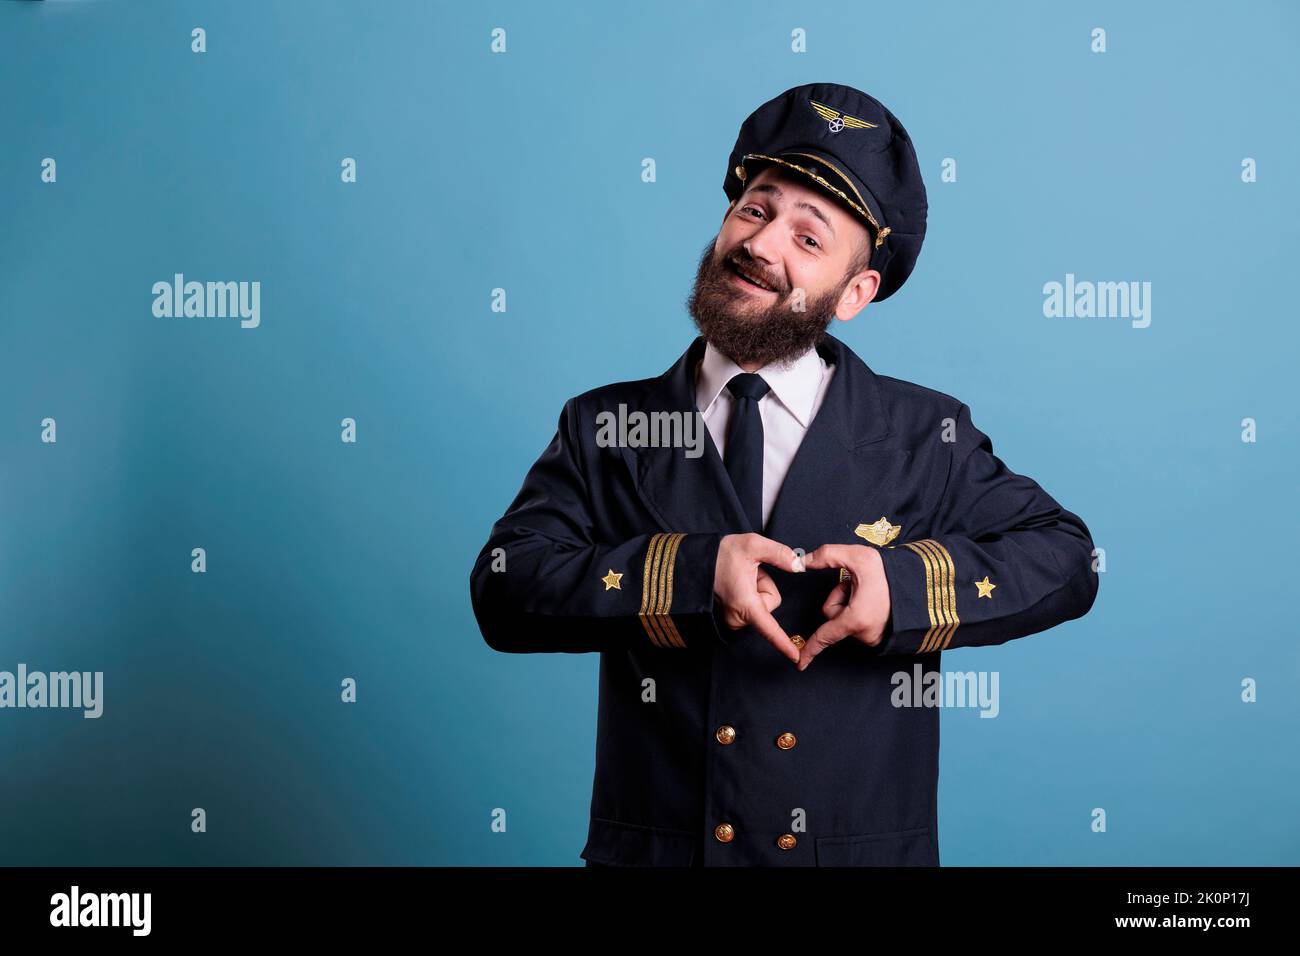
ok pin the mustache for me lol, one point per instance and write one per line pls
(748, 264)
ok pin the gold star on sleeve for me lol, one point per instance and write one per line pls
(612, 580)
(985, 588)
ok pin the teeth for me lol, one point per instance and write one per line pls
(757, 282)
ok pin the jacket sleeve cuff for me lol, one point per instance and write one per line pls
(677, 609)
(923, 608)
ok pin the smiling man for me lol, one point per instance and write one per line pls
(765, 291)
(865, 512)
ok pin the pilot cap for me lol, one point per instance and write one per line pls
(849, 146)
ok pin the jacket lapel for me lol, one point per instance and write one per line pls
(685, 494)
(844, 467)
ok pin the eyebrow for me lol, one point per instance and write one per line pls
(776, 193)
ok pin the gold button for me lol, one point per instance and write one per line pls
(785, 741)
(740, 173)
(786, 841)
(725, 832)
(797, 641)
(725, 734)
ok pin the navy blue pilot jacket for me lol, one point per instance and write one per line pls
(712, 749)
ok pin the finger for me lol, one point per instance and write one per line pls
(766, 625)
(834, 630)
(768, 591)
(831, 556)
(774, 553)
(837, 601)
(818, 642)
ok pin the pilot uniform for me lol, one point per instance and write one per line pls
(711, 748)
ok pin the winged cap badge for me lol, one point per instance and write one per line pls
(880, 533)
(836, 121)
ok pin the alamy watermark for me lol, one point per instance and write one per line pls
(946, 689)
(1100, 300)
(209, 300)
(76, 908)
(637, 429)
(82, 689)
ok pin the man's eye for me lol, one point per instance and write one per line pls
(750, 209)
(815, 243)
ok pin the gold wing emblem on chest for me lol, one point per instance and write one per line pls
(880, 533)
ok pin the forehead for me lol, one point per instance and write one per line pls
(796, 189)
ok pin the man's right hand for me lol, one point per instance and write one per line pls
(747, 593)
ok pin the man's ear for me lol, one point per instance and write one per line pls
(857, 294)
(730, 206)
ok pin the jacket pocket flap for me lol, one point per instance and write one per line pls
(901, 848)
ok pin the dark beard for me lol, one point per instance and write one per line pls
(776, 334)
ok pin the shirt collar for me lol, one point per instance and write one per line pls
(795, 384)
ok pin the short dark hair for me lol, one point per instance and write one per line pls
(861, 260)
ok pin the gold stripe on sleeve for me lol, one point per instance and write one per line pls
(657, 590)
(649, 582)
(665, 605)
(940, 593)
(929, 590)
(942, 597)
(945, 596)
(951, 593)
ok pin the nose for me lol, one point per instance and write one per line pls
(762, 245)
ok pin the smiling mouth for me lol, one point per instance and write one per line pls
(755, 284)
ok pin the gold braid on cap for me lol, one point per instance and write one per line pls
(860, 205)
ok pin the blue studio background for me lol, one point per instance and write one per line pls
(522, 171)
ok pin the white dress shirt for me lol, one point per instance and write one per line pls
(796, 393)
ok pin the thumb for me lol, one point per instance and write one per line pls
(838, 598)
(776, 554)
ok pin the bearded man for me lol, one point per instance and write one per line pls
(755, 606)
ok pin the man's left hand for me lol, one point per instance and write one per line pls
(857, 607)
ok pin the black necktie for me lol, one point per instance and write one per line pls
(744, 458)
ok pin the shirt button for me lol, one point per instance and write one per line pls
(786, 841)
(725, 734)
(725, 832)
(786, 740)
